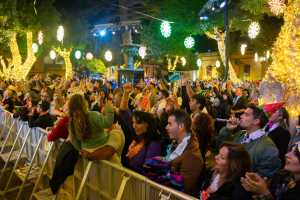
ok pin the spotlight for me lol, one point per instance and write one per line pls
(223, 4)
(204, 18)
(102, 33)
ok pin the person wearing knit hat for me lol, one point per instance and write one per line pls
(277, 127)
(284, 185)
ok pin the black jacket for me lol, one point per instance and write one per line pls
(43, 121)
(232, 190)
(281, 137)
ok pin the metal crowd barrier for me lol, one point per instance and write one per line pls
(91, 180)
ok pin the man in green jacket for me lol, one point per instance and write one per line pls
(262, 150)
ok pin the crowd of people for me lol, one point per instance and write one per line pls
(206, 138)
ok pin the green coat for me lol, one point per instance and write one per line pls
(262, 151)
(98, 122)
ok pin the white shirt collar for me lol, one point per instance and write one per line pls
(253, 136)
(180, 148)
(274, 126)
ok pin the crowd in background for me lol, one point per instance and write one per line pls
(206, 138)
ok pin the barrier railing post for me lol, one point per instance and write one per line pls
(30, 167)
(17, 161)
(162, 196)
(7, 136)
(122, 187)
(3, 126)
(42, 170)
(10, 153)
(86, 173)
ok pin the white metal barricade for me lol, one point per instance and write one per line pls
(91, 180)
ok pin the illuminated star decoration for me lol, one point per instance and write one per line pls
(189, 42)
(165, 29)
(277, 6)
(253, 30)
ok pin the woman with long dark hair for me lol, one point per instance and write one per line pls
(203, 128)
(146, 142)
(86, 128)
(232, 163)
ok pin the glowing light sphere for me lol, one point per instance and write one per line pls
(143, 52)
(35, 47)
(183, 61)
(40, 37)
(256, 58)
(52, 54)
(189, 42)
(277, 6)
(253, 30)
(218, 64)
(199, 62)
(108, 56)
(102, 33)
(60, 33)
(165, 29)
(89, 56)
(243, 48)
(77, 54)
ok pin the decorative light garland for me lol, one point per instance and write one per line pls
(40, 37)
(243, 48)
(277, 6)
(60, 33)
(35, 47)
(89, 56)
(183, 61)
(143, 52)
(253, 30)
(78, 54)
(199, 62)
(165, 29)
(286, 58)
(52, 54)
(189, 42)
(108, 56)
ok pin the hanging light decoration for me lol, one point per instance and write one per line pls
(60, 33)
(108, 56)
(89, 56)
(52, 54)
(253, 30)
(183, 61)
(268, 54)
(199, 62)
(189, 42)
(40, 37)
(143, 52)
(277, 6)
(35, 47)
(243, 48)
(218, 64)
(165, 29)
(77, 54)
(256, 58)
